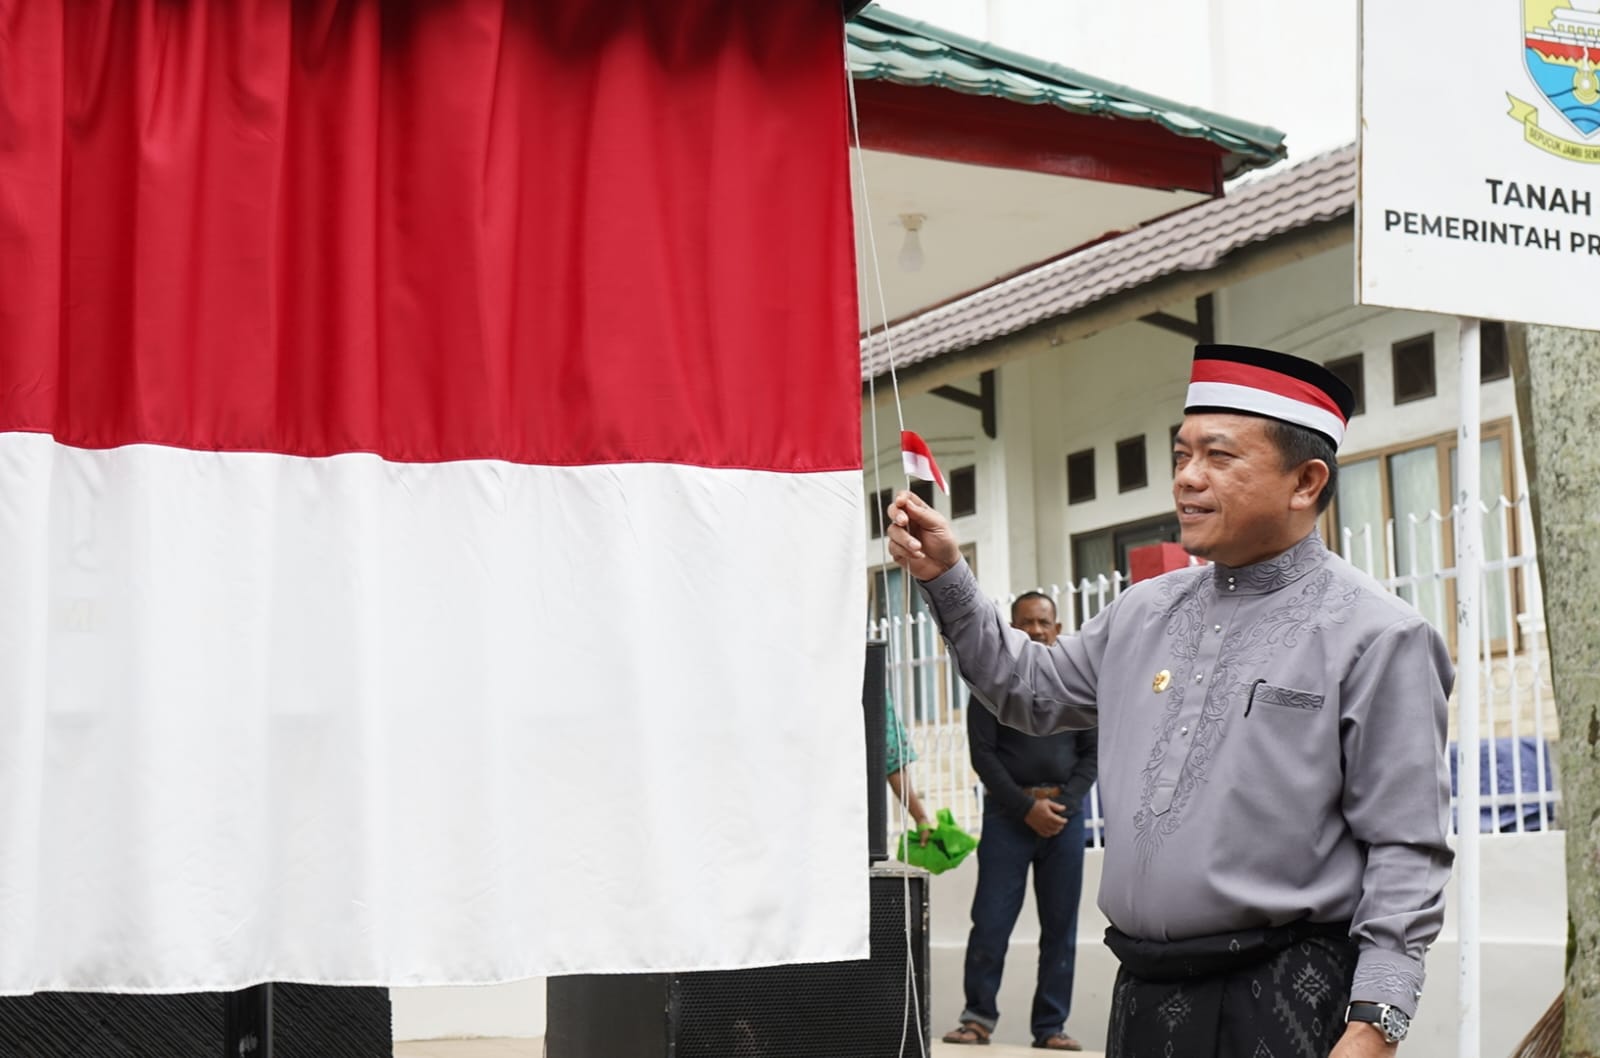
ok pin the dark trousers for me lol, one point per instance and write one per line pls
(1007, 849)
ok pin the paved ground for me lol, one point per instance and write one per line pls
(535, 1049)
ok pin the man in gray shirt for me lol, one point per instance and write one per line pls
(1272, 739)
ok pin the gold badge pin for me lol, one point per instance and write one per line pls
(1162, 681)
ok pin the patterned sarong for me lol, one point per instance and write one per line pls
(1273, 993)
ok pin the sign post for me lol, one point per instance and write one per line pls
(1469, 567)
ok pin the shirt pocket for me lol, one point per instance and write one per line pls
(1272, 695)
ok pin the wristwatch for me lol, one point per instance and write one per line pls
(1391, 1021)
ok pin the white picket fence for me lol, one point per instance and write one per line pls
(1413, 559)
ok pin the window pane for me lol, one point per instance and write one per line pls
(1080, 476)
(916, 683)
(879, 510)
(1418, 541)
(1132, 468)
(1494, 351)
(1497, 585)
(1092, 557)
(1413, 369)
(1351, 370)
(963, 492)
(1166, 531)
(1360, 509)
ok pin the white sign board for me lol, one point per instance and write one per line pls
(1480, 159)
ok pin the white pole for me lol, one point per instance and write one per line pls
(1469, 562)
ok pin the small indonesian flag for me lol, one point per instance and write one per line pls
(918, 459)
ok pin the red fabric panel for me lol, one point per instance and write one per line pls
(563, 232)
(1268, 381)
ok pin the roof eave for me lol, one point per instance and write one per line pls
(1246, 145)
(1273, 221)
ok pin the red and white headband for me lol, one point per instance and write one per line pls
(1237, 378)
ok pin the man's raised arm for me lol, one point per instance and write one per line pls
(1029, 686)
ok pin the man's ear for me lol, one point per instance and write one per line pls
(1309, 482)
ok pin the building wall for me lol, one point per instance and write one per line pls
(1091, 394)
(1131, 380)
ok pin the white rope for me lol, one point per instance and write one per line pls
(913, 1001)
(872, 256)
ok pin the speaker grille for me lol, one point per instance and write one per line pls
(826, 1010)
(309, 1022)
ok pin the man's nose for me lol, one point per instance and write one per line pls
(1188, 476)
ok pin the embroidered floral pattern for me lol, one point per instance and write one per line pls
(1288, 698)
(1273, 574)
(1386, 982)
(1310, 604)
(954, 596)
(1184, 604)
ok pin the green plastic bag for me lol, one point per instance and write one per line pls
(947, 846)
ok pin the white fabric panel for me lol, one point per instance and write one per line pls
(347, 721)
(918, 466)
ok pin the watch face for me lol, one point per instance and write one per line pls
(1395, 1025)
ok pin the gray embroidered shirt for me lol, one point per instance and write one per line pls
(1272, 748)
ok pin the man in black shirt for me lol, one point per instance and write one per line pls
(1032, 816)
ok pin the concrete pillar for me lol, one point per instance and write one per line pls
(1558, 397)
(1017, 470)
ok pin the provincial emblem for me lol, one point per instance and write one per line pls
(1561, 48)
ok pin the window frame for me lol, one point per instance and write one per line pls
(1444, 445)
(1503, 370)
(1395, 350)
(969, 471)
(1119, 535)
(1143, 481)
(1088, 455)
(1360, 361)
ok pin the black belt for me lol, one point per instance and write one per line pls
(1215, 955)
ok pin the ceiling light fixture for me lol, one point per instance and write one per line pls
(911, 249)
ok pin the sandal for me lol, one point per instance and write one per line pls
(970, 1032)
(1059, 1042)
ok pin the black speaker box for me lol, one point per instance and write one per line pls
(308, 1021)
(874, 689)
(858, 1009)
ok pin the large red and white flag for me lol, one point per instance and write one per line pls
(409, 572)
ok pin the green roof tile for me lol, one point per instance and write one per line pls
(884, 46)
